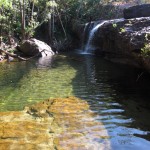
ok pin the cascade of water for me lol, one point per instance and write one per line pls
(89, 46)
(89, 32)
(83, 36)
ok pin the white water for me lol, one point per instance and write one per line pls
(83, 36)
(89, 47)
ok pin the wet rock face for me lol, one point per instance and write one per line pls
(34, 47)
(122, 41)
(52, 124)
(137, 11)
(124, 36)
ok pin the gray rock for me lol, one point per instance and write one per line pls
(34, 47)
(121, 41)
(137, 11)
(1, 58)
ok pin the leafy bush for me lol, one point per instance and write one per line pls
(146, 50)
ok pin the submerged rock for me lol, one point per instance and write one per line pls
(34, 47)
(63, 123)
(137, 11)
(19, 130)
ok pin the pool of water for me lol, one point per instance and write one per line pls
(117, 94)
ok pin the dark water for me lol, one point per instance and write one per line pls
(120, 100)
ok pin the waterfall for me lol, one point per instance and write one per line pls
(89, 47)
(89, 32)
(84, 35)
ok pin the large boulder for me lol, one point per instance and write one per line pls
(137, 11)
(33, 47)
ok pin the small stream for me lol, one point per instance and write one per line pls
(117, 97)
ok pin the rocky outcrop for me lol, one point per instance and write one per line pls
(124, 36)
(137, 11)
(52, 124)
(35, 47)
(124, 39)
(121, 40)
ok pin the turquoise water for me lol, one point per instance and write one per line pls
(119, 100)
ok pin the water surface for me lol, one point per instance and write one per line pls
(119, 99)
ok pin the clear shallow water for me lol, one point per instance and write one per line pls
(119, 101)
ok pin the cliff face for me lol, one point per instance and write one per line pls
(126, 36)
(122, 40)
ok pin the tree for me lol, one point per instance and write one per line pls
(23, 16)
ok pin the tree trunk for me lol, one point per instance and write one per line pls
(49, 30)
(19, 57)
(32, 11)
(13, 55)
(22, 13)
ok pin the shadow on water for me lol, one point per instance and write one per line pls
(119, 95)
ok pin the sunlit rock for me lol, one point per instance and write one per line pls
(34, 47)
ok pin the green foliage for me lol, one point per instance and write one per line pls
(146, 50)
(38, 11)
(114, 25)
(147, 36)
(35, 12)
(51, 4)
(30, 29)
(86, 10)
(122, 30)
(6, 3)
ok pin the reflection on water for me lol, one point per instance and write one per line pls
(122, 104)
(80, 129)
(118, 100)
(44, 62)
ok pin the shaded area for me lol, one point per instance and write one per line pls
(120, 100)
